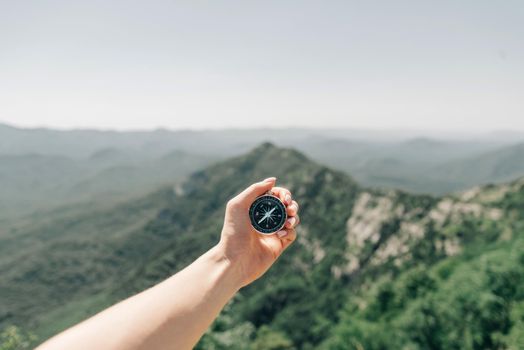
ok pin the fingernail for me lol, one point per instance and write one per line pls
(269, 179)
(288, 198)
(282, 233)
(291, 221)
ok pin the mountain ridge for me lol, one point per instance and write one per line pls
(410, 161)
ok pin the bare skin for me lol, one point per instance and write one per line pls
(175, 313)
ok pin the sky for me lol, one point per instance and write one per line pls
(446, 65)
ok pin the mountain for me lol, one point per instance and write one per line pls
(36, 182)
(24, 178)
(81, 143)
(500, 165)
(370, 269)
(419, 165)
(433, 164)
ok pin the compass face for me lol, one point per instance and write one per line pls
(267, 214)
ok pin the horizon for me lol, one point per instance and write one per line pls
(414, 132)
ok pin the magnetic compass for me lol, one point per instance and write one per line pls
(268, 214)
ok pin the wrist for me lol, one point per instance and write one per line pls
(230, 271)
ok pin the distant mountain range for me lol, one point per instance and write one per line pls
(371, 268)
(33, 182)
(502, 164)
(384, 159)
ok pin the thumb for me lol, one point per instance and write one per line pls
(256, 189)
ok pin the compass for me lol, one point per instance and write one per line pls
(267, 214)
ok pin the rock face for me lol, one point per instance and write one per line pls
(382, 228)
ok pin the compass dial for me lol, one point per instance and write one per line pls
(267, 214)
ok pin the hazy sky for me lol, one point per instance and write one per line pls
(444, 64)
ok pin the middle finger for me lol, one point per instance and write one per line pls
(292, 209)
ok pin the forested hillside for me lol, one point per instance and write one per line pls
(371, 269)
(36, 182)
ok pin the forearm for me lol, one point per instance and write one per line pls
(173, 314)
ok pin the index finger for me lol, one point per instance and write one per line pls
(255, 190)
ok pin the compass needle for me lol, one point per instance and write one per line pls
(267, 214)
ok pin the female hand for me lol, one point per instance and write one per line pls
(249, 251)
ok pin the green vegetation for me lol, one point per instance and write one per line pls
(465, 302)
(33, 182)
(12, 338)
(371, 269)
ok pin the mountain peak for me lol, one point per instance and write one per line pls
(291, 168)
(268, 149)
(265, 146)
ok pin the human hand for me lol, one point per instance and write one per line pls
(250, 252)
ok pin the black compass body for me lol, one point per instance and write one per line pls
(267, 214)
